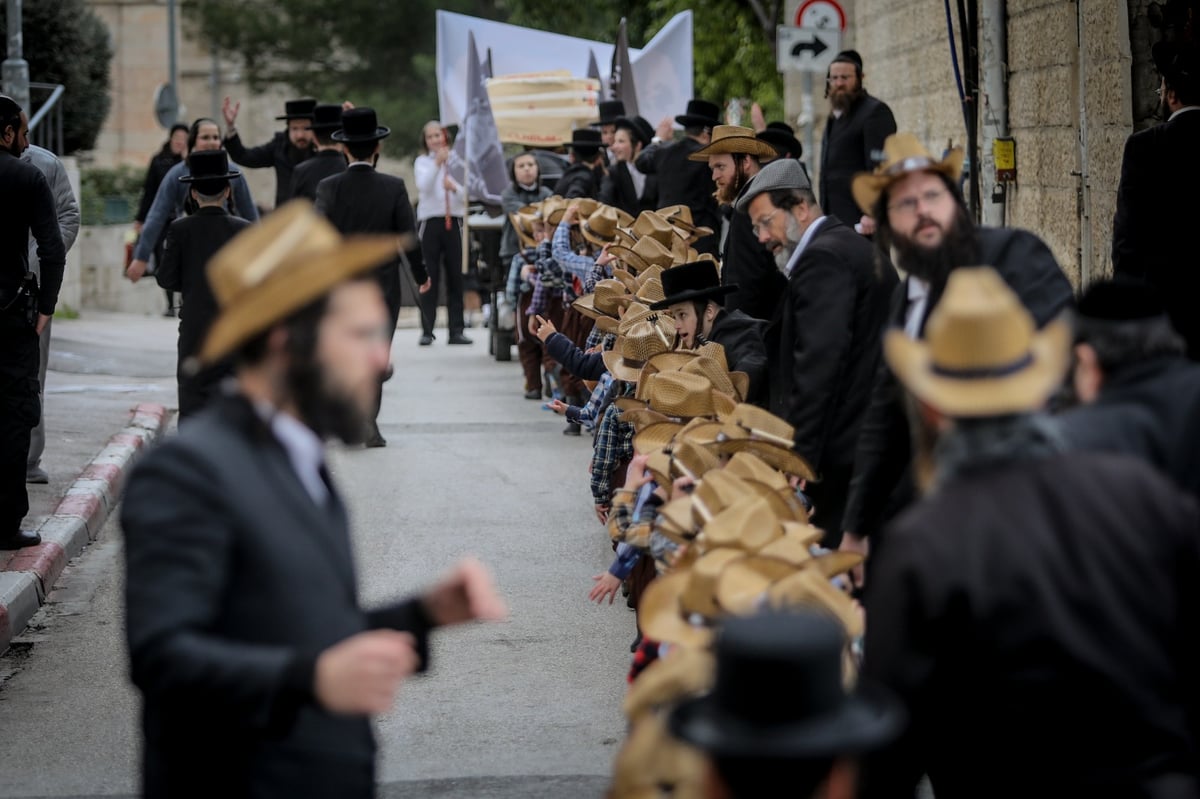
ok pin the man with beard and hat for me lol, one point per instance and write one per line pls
(364, 200)
(1138, 390)
(328, 160)
(610, 111)
(588, 156)
(625, 186)
(825, 340)
(1150, 227)
(926, 230)
(732, 157)
(258, 668)
(696, 301)
(1035, 610)
(780, 714)
(190, 243)
(284, 152)
(682, 181)
(26, 306)
(854, 133)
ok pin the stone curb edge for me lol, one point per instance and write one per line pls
(75, 522)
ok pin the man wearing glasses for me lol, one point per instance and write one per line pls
(825, 338)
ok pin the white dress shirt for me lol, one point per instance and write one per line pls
(431, 188)
(304, 448)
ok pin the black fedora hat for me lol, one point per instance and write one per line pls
(779, 694)
(1178, 63)
(638, 126)
(610, 112)
(327, 118)
(585, 139)
(360, 125)
(781, 136)
(700, 114)
(206, 165)
(298, 109)
(697, 280)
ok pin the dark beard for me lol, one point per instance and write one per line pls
(727, 195)
(843, 101)
(327, 412)
(959, 247)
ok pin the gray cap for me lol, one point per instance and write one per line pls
(782, 174)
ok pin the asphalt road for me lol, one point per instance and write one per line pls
(525, 708)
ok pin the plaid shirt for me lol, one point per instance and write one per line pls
(631, 517)
(549, 278)
(614, 444)
(573, 263)
(601, 396)
(598, 273)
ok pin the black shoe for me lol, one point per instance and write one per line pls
(387, 375)
(426, 339)
(36, 475)
(636, 643)
(170, 312)
(572, 429)
(19, 540)
(459, 338)
(533, 394)
(375, 438)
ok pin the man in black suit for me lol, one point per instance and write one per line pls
(922, 219)
(328, 159)
(588, 156)
(1140, 394)
(284, 152)
(624, 186)
(1150, 227)
(258, 668)
(680, 180)
(190, 243)
(824, 346)
(364, 200)
(26, 206)
(853, 141)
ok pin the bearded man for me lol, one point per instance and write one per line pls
(854, 135)
(825, 349)
(925, 229)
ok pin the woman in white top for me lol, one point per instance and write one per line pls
(442, 202)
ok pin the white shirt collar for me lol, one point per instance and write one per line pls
(304, 448)
(1183, 110)
(918, 301)
(804, 240)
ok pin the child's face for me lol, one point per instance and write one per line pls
(525, 169)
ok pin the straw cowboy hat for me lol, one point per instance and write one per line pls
(982, 355)
(809, 588)
(640, 339)
(522, 222)
(600, 227)
(680, 673)
(602, 304)
(646, 292)
(276, 267)
(734, 140)
(681, 607)
(903, 154)
(653, 763)
(748, 524)
(679, 395)
(656, 226)
(643, 253)
(748, 465)
(750, 428)
(680, 217)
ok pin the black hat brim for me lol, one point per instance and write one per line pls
(197, 178)
(380, 133)
(626, 123)
(694, 121)
(778, 138)
(861, 724)
(691, 295)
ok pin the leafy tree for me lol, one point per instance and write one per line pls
(65, 42)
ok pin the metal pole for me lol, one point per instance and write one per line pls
(993, 20)
(172, 75)
(15, 69)
(807, 111)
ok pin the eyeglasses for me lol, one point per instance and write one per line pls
(909, 205)
(762, 223)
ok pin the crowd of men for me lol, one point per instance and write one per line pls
(889, 501)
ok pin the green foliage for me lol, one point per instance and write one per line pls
(109, 196)
(65, 42)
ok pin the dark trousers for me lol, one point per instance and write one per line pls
(576, 327)
(529, 347)
(442, 251)
(20, 409)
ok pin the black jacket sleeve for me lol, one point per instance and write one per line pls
(169, 272)
(584, 365)
(254, 157)
(51, 252)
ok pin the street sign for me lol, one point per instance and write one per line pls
(166, 105)
(807, 49)
(822, 14)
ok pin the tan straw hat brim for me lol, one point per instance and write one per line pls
(660, 618)
(964, 397)
(735, 145)
(867, 186)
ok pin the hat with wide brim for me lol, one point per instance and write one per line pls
(981, 355)
(326, 118)
(734, 140)
(638, 126)
(692, 282)
(681, 673)
(679, 608)
(680, 216)
(208, 165)
(903, 155)
(700, 114)
(279, 265)
(783, 139)
(360, 125)
(298, 109)
(610, 112)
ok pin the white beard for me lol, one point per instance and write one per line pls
(792, 237)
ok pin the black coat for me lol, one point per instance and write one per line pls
(684, 182)
(617, 190)
(851, 145)
(278, 154)
(188, 246)
(742, 337)
(579, 180)
(1152, 222)
(1038, 619)
(826, 350)
(235, 580)
(881, 483)
(747, 264)
(27, 208)
(1150, 410)
(363, 200)
(306, 176)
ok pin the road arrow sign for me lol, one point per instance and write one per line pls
(807, 49)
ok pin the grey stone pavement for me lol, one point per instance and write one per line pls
(525, 708)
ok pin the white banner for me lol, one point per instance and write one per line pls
(662, 70)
